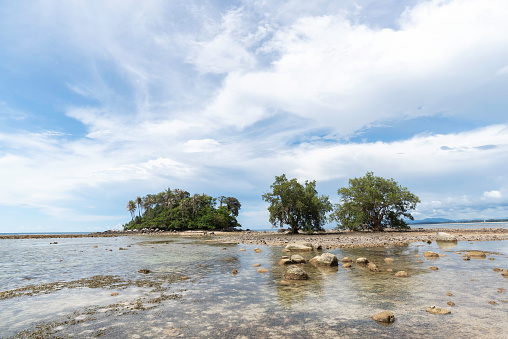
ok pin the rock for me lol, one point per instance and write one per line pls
(362, 261)
(504, 273)
(372, 267)
(325, 259)
(256, 265)
(401, 274)
(430, 254)
(449, 294)
(347, 265)
(384, 317)
(298, 259)
(285, 250)
(262, 270)
(450, 303)
(144, 271)
(242, 250)
(122, 249)
(95, 246)
(284, 257)
(285, 283)
(389, 270)
(235, 271)
(492, 259)
(434, 268)
(257, 250)
(437, 310)
(492, 302)
(299, 247)
(476, 255)
(114, 294)
(346, 259)
(294, 272)
(442, 236)
(284, 262)
(388, 260)
(497, 269)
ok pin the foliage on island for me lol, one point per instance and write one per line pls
(374, 203)
(297, 206)
(177, 209)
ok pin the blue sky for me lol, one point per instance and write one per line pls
(102, 101)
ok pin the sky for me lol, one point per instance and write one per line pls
(102, 101)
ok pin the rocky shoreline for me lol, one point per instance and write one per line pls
(329, 239)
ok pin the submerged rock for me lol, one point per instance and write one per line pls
(401, 274)
(372, 267)
(476, 255)
(430, 254)
(434, 268)
(384, 317)
(256, 265)
(144, 271)
(262, 270)
(325, 259)
(294, 272)
(389, 260)
(450, 303)
(437, 310)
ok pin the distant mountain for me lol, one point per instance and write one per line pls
(429, 221)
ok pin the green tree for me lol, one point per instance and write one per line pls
(374, 203)
(297, 205)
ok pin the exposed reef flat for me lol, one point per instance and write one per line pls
(329, 239)
(359, 239)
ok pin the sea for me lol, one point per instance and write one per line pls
(162, 287)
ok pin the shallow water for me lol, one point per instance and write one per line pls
(216, 303)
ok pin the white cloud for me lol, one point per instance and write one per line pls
(492, 195)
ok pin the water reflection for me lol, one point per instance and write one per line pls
(446, 245)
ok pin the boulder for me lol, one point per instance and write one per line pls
(346, 259)
(401, 274)
(372, 267)
(299, 247)
(430, 254)
(284, 262)
(325, 259)
(294, 272)
(384, 317)
(443, 236)
(476, 254)
(298, 259)
(362, 261)
(437, 310)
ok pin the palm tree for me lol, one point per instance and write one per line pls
(139, 202)
(131, 207)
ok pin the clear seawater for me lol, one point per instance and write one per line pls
(214, 303)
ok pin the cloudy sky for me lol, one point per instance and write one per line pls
(102, 101)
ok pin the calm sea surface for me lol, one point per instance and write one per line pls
(191, 291)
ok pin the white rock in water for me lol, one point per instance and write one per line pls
(442, 236)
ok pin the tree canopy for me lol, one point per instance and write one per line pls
(297, 205)
(374, 203)
(177, 209)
